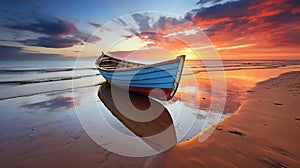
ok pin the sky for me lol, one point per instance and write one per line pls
(232, 29)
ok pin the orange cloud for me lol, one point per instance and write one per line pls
(273, 26)
(239, 29)
(296, 10)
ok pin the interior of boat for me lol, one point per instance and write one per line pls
(111, 63)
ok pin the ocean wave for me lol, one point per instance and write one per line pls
(236, 68)
(46, 70)
(44, 80)
(240, 64)
(48, 91)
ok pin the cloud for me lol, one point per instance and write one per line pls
(100, 27)
(95, 24)
(169, 25)
(167, 41)
(93, 39)
(207, 3)
(164, 32)
(235, 27)
(86, 37)
(51, 42)
(265, 23)
(228, 10)
(143, 21)
(53, 33)
(203, 2)
(150, 23)
(16, 53)
(51, 27)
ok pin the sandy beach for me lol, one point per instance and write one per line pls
(264, 132)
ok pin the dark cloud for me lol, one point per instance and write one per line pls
(93, 39)
(95, 24)
(151, 28)
(86, 37)
(128, 36)
(16, 53)
(120, 21)
(51, 42)
(53, 27)
(284, 17)
(204, 2)
(54, 33)
(100, 27)
(230, 9)
(143, 22)
(163, 21)
(293, 2)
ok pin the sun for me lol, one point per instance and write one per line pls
(189, 54)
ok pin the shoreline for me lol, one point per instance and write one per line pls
(262, 132)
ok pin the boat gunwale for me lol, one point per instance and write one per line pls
(177, 59)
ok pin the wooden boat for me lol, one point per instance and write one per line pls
(159, 80)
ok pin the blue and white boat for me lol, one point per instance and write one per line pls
(159, 80)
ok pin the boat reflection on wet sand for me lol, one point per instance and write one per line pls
(144, 116)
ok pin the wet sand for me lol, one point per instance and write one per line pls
(264, 132)
(41, 131)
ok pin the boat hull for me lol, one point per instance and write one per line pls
(159, 93)
(159, 81)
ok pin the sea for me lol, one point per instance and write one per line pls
(26, 78)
